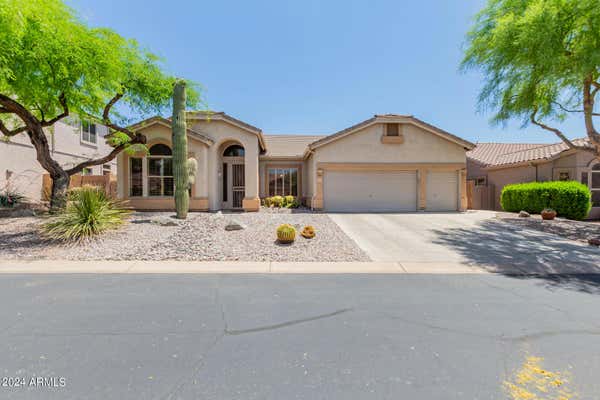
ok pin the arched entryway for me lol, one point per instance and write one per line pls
(232, 176)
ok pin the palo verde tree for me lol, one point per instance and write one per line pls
(541, 62)
(53, 65)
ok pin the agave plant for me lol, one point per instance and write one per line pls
(89, 213)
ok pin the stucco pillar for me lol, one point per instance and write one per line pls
(317, 204)
(462, 190)
(251, 201)
(213, 169)
(422, 189)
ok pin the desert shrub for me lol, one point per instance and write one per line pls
(290, 202)
(570, 199)
(89, 212)
(281, 201)
(276, 201)
(10, 197)
(286, 233)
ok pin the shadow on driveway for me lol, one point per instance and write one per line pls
(501, 247)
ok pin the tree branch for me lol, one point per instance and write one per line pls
(63, 102)
(574, 111)
(7, 132)
(110, 156)
(107, 121)
(557, 132)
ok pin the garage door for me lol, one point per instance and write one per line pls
(442, 191)
(370, 191)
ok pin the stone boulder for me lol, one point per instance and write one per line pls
(524, 214)
(234, 226)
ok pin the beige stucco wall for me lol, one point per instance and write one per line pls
(573, 163)
(224, 133)
(502, 177)
(475, 170)
(364, 146)
(209, 175)
(18, 157)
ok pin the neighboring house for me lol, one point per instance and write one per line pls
(71, 142)
(498, 164)
(386, 163)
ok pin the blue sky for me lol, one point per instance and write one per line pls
(318, 66)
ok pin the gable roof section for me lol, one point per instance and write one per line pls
(288, 146)
(494, 155)
(158, 120)
(222, 116)
(392, 118)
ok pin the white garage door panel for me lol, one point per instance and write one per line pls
(442, 191)
(370, 191)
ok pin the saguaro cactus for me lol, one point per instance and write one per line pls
(180, 165)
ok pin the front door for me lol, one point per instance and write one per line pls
(234, 187)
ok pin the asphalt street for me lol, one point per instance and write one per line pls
(412, 336)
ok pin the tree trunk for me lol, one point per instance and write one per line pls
(60, 188)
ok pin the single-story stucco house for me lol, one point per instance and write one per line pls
(498, 164)
(386, 163)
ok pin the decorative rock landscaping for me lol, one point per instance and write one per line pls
(583, 231)
(202, 236)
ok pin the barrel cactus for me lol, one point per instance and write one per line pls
(286, 233)
(308, 232)
(180, 164)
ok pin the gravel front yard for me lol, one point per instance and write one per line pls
(201, 237)
(573, 230)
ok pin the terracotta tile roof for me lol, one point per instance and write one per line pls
(496, 154)
(288, 146)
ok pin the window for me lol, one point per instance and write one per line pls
(88, 132)
(160, 171)
(106, 169)
(563, 176)
(595, 185)
(87, 171)
(392, 129)
(481, 181)
(584, 178)
(135, 177)
(225, 188)
(283, 181)
(234, 151)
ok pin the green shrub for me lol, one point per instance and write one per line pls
(10, 198)
(570, 199)
(290, 202)
(88, 213)
(277, 201)
(281, 201)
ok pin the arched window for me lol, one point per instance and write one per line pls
(160, 171)
(235, 150)
(160, 150)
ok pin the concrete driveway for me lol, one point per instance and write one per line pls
(474, 238)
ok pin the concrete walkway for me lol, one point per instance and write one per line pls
(230, 267)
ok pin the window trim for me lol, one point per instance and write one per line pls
(590, 178)
(82, 132)
(130, 191)
(297, 167)
(148, 176)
